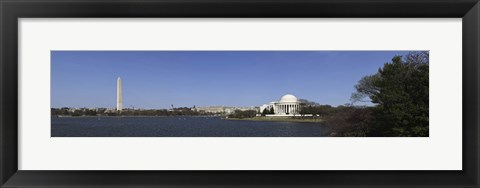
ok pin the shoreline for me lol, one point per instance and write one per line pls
(127, 116)
(277, 119)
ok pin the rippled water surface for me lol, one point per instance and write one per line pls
(179, 127)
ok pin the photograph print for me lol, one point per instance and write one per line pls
(239, 93)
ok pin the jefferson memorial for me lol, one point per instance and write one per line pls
(288, 105)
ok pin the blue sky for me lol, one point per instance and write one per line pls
(158, 79)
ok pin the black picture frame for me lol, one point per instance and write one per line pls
(11, 10)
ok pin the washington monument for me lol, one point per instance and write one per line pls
(119, 94)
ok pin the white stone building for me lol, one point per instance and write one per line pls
(287, 105)
(222, 109)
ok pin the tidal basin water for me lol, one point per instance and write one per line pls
(180, 127)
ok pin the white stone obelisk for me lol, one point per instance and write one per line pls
(119, 94)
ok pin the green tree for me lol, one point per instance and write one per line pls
(307, 102)
(365, 88)
(400, 91)
(265, 111)
(243, 114)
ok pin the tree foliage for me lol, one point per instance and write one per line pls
(306, 102)
(317, 110)
(272, 111)
(243, 114)
(265, 111)
(350, 121)
(182, 111)
(365, 88)
(400, 91)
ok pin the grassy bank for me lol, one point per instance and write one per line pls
(281, 119)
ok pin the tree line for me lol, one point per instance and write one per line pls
(182, 111)
(240, 114)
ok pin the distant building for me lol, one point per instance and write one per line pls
(210, 109)
(288, 105)
(222, 109)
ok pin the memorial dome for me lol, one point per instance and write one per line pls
(288, 98)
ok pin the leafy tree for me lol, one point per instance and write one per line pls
(307, 102)
(400, 91)
(314, 108)
(243, 114)
(265, 111)
(365, 88)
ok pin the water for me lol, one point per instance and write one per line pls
(179, 127)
